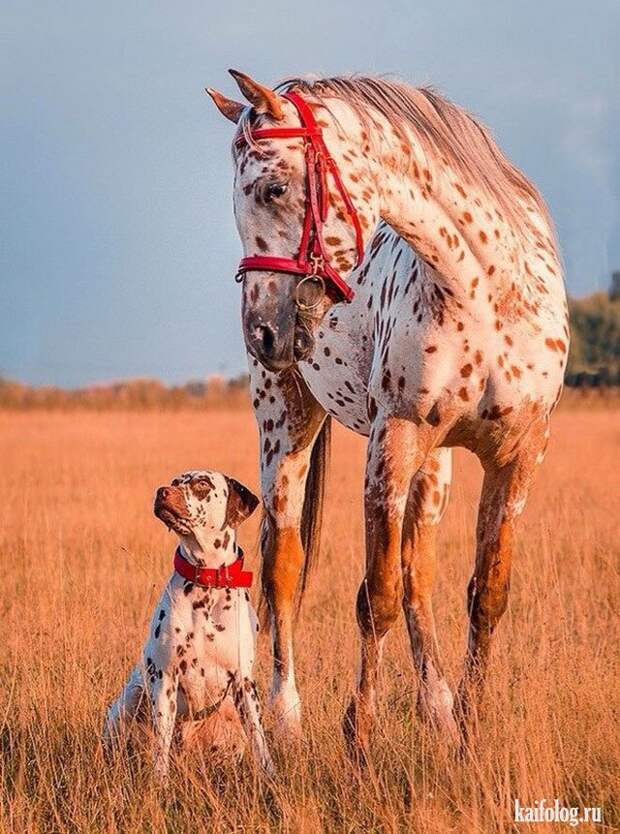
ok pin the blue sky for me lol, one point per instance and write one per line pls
(118, 247)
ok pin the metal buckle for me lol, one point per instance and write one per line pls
(317, 263)
(223, 578)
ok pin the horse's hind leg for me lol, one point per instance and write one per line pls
(504, 493)
(428, 498)
(395, 453)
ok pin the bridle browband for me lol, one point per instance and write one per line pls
(312, 259)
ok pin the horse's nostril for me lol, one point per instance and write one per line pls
(163, 492)
(268, 340)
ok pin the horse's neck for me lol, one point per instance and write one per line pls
(390, 262)
(455, 231)
(456, 227)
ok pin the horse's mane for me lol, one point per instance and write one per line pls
(444, 128)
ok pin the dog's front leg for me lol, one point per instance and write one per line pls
(123, 710)
(164, 705)
(247, 702)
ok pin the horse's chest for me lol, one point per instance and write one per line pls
(338, 371)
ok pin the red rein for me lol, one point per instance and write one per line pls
(312, 258)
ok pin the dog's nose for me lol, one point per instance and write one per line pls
(163, 493)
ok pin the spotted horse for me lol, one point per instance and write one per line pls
(401, 276)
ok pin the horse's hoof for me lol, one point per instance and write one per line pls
(437, 708)
(466, 716)
(287, 718)
(356, 729)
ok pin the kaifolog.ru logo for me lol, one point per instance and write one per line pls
(544, 811)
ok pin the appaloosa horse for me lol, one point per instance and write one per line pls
(451, 331)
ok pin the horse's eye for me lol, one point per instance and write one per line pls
(275, 190)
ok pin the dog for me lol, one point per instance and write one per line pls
(199, 655)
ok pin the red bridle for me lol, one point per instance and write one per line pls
(312, 258)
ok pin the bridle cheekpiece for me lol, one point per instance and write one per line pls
(312, 260)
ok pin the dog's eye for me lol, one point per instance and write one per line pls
(273, 190)
(201, 487)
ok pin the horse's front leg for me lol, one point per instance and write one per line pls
(292, 425)
(396, 450)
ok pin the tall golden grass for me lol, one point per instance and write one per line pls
(83, 561)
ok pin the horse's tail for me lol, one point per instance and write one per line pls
(312, 512)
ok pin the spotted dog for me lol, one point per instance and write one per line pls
(200, 650)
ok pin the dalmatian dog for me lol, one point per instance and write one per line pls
(199, 654)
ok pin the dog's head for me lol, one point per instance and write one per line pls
(203, 502)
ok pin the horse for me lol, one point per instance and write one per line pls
(402, 277)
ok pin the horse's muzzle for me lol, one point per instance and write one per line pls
(265, 344)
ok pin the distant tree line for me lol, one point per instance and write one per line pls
(593, 362)
(594, 358)
(138, 394)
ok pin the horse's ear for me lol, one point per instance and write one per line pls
(261, 98)
(241, 502)
(227, 106)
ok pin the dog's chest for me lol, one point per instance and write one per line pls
(205, 636)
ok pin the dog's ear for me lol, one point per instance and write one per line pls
(241, 503)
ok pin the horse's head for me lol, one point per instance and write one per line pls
(303, 211)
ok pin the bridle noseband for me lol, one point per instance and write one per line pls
(312, 259)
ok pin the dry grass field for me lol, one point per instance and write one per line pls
(82, 563)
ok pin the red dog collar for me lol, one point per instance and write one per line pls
(228, 576)
(312, 258)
